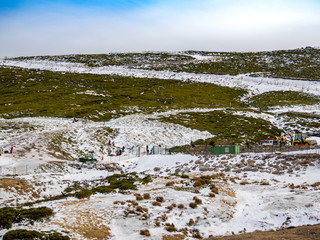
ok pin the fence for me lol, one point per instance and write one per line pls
(21, 170)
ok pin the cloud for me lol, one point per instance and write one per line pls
(212, 25)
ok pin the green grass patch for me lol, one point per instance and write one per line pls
(23, 234)
(282, 98)
(9, 215)
(148, 59)
(234, 129)
(295, 63)
(66, 95)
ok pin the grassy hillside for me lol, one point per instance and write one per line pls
(101, 97)
(282, 98)
(298, 63)
(228, 127)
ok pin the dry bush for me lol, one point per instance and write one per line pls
(134, 203)
(264, 183)
(156, 204)
(184, 231)
(157, 223)
(169, 184)
(170, 207)
(180, 206)
(119, 202)
(233, 180)
(156, 169)
(291, 186)
(146, 196)
(196, 191)
(170, 227)
(138, 197)
(164, 217)
(214, 189)
(196, 233)
(142, 209)
(197, 184)
(191, 222)
(160, 199)
(145, 233)
(244, 182)
(197, 200)
(212, 195)
(193, 205)
(316, 184)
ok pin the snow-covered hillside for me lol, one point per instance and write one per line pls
(255, 85)
(193, 196)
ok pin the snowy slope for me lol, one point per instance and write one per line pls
(255, 85)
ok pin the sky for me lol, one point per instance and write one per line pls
(33, 28)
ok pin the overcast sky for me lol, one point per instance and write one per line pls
(29, 28)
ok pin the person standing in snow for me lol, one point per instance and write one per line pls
(11, 149)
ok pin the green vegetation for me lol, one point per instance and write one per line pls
(296, 63)
(226, 126)
(300, 120)
(23, 234)
(128, 59)
(9, 215)
(120, 182)
(101, 97)
(282, 98)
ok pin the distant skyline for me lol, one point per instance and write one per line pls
(31, 28)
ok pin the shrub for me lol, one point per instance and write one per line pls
(244, 182)
(146, 196)
(214, 189)
(30, 235)
(191, 222)
(164, 217)
(156, 204)
(139, 197)
(145, 233)
(197, 184)
(197, 200)
(169, 184)
(134, 203)
(170, 227)
(85, 193)
(193, 205)
(196, 233)
(170, 207)
(8, 215)
(180, 206)
(142, 209)
(103, 189)
(212, 195)
(160, 199)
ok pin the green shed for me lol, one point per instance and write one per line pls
(217, 150)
